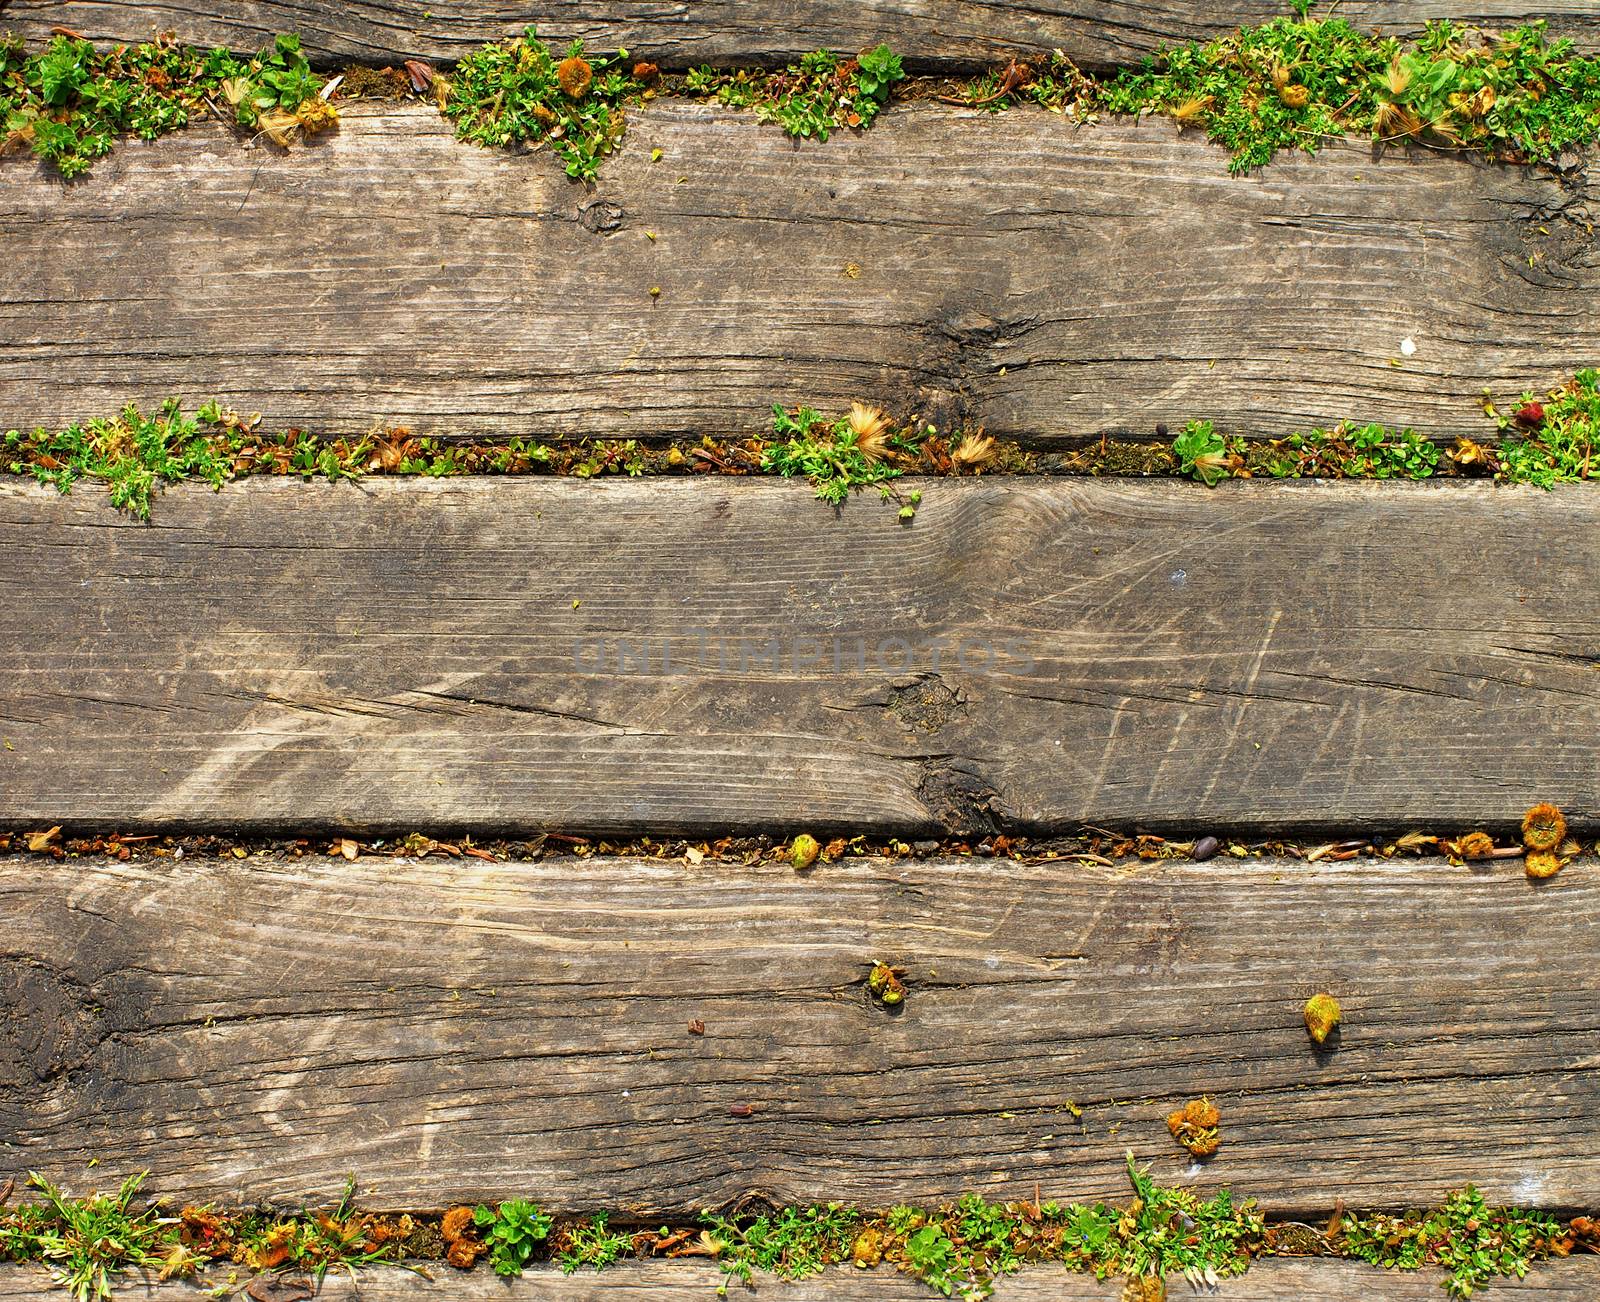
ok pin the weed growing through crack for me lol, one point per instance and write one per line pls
(820, 94)
(1471, 1241)
(86, 1240)
(68, 102)
(1294, 83)
(1546, 442)
(959, 1249)
(518, 91)
(837, 456)
(514, 1231)
(792, 1243)
(591, 1245)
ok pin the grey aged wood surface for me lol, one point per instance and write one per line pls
(1574, 1280)
(458, 1030)
(1047, 281)
(930, 32)
(651, 656)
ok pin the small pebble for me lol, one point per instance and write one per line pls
(1205, 848)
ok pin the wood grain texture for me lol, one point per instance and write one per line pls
(488, 655)
(1047, 281)
(1576, 1280)
(456, 1031)
(932, 33)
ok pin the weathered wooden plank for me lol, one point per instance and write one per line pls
(494, 655)
(932, 32)
(1046, 281)
(456, 1030)
(1574, 1280)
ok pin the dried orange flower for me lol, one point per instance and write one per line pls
(1542, 863)
(1543, 827)
(575, 74)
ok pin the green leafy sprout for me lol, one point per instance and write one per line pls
(810, 99)
(514, 1231)
(828, 453)
(517, 91)
(87, 1240)
(591, 1244)
(1296, 82)
(68, 102)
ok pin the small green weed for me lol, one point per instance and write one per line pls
(514, 91)
(835, 455)
(1294, 83)
(514, 1231)
(792, 1243)
(590, 1243)
(88, 1240)
(1473, 1242)
(812, 98)
(1203, 453)
(1551, 441)
(68, 103)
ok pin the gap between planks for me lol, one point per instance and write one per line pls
(1051, 283)
(1574, 1280)
(934, 34)
(454, 1031)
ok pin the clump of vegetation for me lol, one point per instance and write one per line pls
(1470, 1240)
(1545, 442)
(837, 456)
(514, 91)
(1551, 441)
(1294, 83)
(590, 1244)
(514, 1231)
(820, 94)
(1323, 1016)
(791, 1243)
(1544, 839)
(958, 1249)
(86, 1241)
(69, 102)
(885, 985)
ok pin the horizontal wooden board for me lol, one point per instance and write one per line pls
(932, 33)
(645, 656)
(1046, 281)
(457, 1030)
(1576, 1280)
